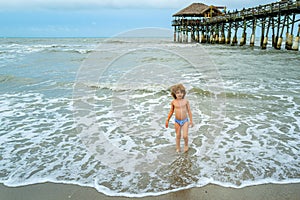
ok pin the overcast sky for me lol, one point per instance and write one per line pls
(94, 18)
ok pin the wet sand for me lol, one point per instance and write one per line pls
(51, 191)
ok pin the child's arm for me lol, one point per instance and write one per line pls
(170, 114)
(189, 113)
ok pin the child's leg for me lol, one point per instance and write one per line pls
(185, 129)
(178, 136)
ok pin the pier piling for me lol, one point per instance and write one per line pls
(289, 35)
(295, 46)
(234, 39)
(263, 26)
(252, 39)
(265, 40)
(244, 34)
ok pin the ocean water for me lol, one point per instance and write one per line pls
(91, 111)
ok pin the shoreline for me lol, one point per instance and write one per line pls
(58, 191)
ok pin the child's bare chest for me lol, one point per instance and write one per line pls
(180, 104)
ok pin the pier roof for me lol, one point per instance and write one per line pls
(197, 10)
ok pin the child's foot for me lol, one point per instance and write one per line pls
(177, 150)
(186, 149)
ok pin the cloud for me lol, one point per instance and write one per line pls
(118, 4)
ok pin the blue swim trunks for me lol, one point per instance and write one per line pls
(181, 122)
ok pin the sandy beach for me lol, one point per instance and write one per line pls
(51, 191)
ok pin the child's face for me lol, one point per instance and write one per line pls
(179, 94)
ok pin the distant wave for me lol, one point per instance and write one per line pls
(166, 89)
(27, 49)
(79, 51)
(6, 78)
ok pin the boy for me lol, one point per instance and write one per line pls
(182, 110)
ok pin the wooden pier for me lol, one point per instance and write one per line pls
(210, 24)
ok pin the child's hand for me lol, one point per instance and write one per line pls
(167, 123)
(191, 124)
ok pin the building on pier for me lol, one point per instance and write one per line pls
(211, 24)
(198, 10)
(188, 20)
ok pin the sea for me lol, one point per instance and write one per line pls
(92, 112)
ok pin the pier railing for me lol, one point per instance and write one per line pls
(258, 12)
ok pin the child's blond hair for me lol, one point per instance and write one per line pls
(177, 87)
